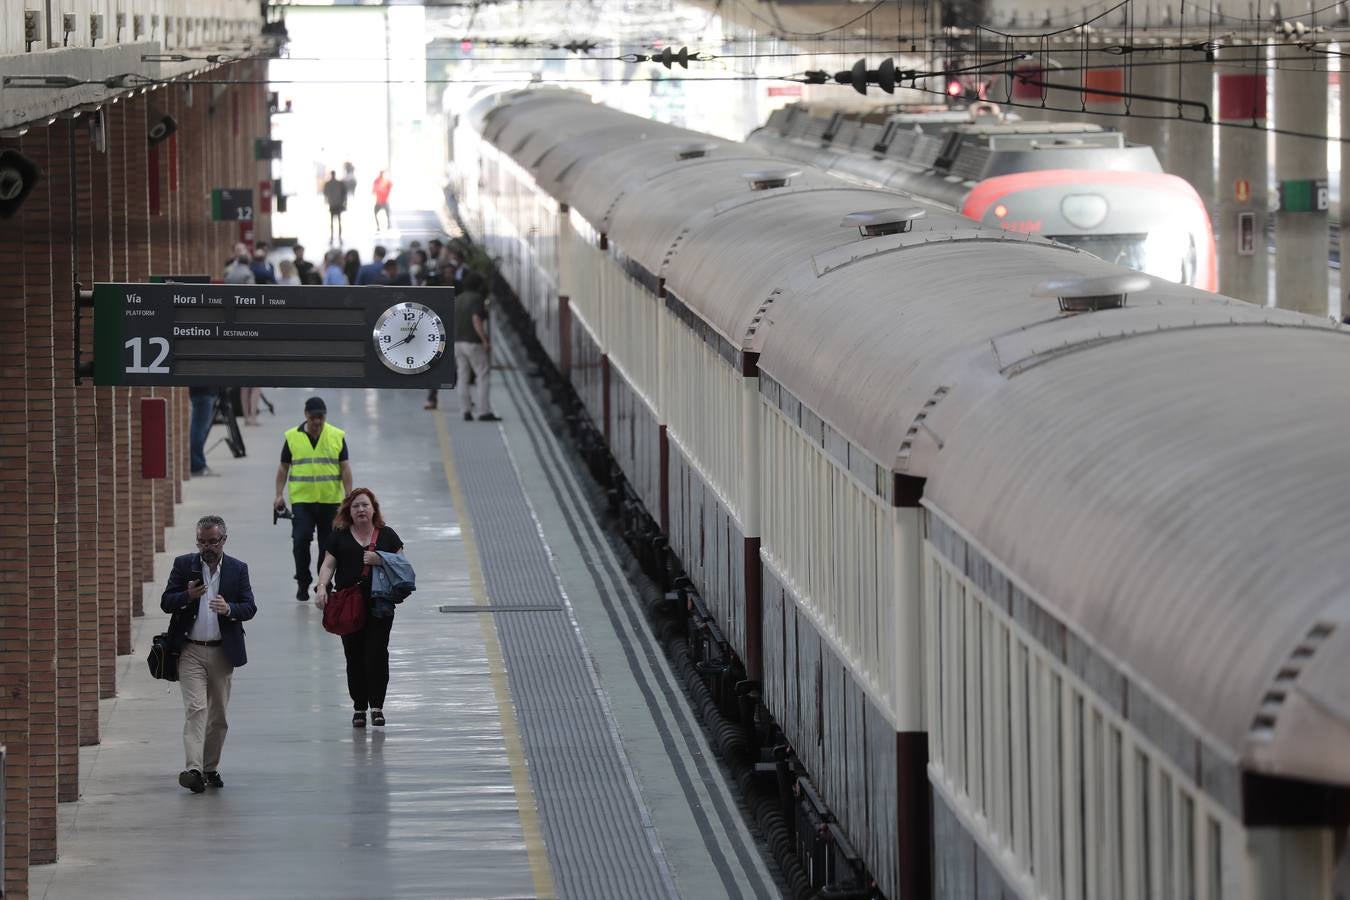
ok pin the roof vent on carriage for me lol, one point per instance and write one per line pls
(695, 151)
(769, 179)
(876, 222)
(1078, 294)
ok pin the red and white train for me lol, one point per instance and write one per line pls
(1076, 183)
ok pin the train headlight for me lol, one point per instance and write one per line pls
(1165, 254)
(1085, 211)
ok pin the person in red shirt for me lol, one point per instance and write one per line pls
(381, 188)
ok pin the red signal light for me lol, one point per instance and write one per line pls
(954, 88)
(465, 46)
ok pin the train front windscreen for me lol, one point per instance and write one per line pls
(1147, 221)
(1165, 253)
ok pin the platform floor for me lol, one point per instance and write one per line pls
(538, 750)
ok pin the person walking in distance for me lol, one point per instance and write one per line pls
(454, 271)
(381, 188)
(335, 194)
(209, 598)
(473, 350)
(315, 465)
(358, 531)
(203, 400)
(304, 268)
(373, 271)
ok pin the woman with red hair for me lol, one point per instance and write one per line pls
(359, 531)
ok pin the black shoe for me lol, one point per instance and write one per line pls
(359, 719)
(468, 417)
(302, 593)
(192, 780)
(214, 780)
(489, 417)
(377, 718)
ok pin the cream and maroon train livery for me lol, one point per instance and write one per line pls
(1041, 563)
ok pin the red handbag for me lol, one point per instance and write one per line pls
(345, 611)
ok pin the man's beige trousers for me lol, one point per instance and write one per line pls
(204, 675)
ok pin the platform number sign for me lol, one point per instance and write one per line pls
(141, 349)
(232, 205)
(248, 335)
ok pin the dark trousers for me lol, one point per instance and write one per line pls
(367, 653)
(305, 517)
(203, 411)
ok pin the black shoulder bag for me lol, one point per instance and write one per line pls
(163, 661)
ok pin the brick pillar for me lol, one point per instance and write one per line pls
(14, 618)
(61, 148)
(193, 164)
(101, 261)
(178, 448)
(41, 498)
(138, 259)
(119, 420)
(87, 488)
(261, 128)
(160, 262)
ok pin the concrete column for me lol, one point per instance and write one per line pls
(1301, 262)
(1062, 103)
(1104, 72)
(1241, 192)
(1146, 75)
(1345, 195)
(1190, 142)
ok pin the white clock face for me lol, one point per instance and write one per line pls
(409, 338)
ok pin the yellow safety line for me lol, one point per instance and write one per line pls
(515, 752)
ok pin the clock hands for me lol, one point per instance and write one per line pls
(412, 332)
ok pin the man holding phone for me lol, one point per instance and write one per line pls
(209, 597)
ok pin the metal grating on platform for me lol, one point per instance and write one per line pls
(601, 842)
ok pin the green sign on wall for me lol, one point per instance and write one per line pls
(232, 205)
(1304, 195)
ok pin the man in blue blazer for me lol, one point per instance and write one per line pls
(210, 597)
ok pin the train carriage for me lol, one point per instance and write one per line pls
(1048, 593)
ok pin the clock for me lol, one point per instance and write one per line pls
(409, 338)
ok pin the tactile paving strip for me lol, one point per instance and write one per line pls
(601, 842)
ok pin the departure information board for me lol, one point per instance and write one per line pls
(273, 335)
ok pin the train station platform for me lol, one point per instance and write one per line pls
(537, 744)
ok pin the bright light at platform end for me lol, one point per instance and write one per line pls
(954, 89)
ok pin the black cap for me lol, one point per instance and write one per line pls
(315, 405)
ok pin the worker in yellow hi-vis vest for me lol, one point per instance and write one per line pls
(315, 466)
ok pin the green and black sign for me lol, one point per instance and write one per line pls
(1305, 195)
(232, 205)
(223, 335)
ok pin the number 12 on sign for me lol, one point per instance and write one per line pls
(157, 367)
